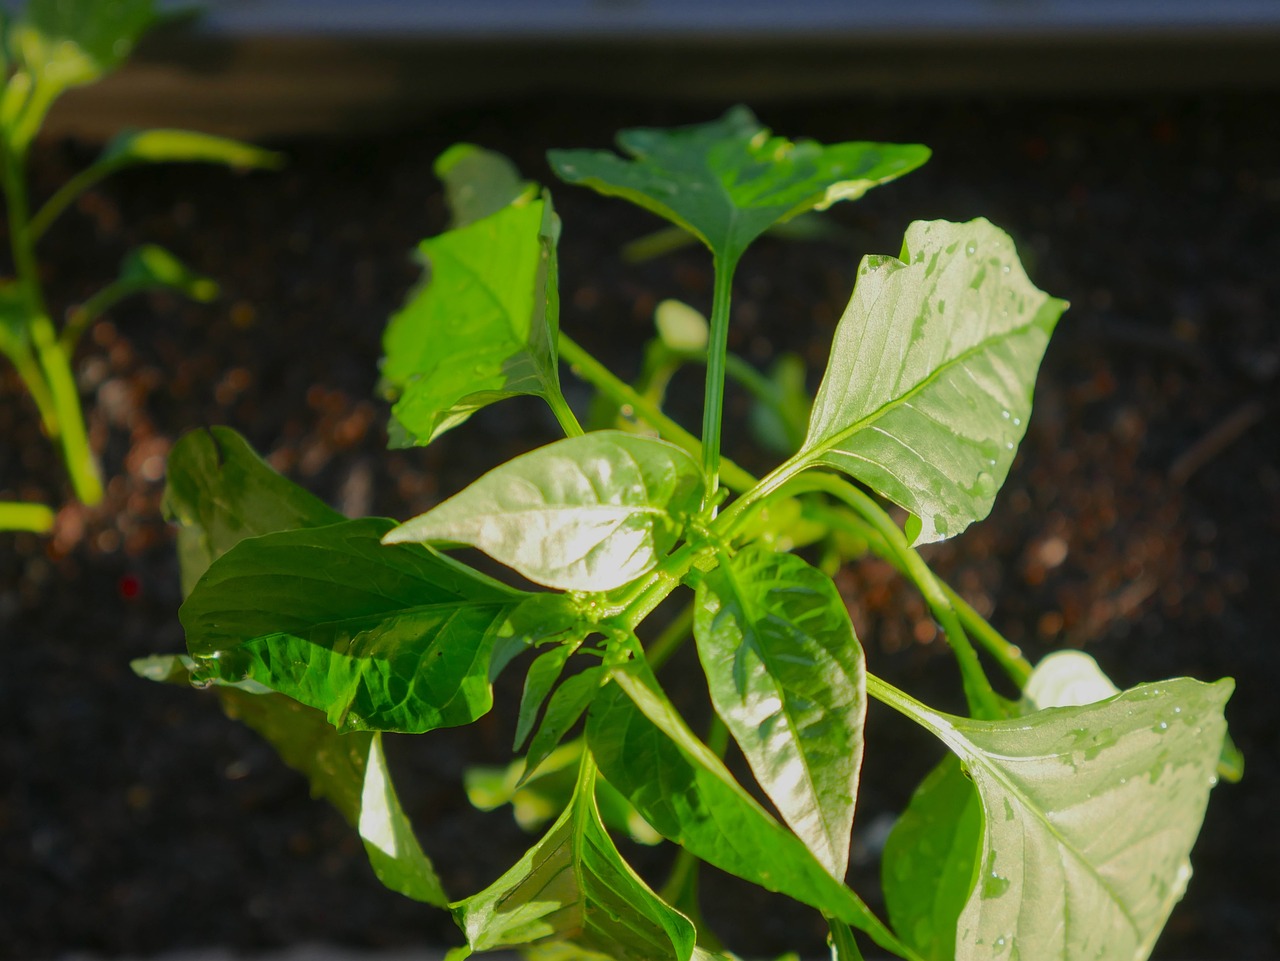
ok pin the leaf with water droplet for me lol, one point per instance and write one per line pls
(728, 181)
(927, 406)
(1097, 852)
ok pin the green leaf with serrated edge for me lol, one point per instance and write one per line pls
(541, 677)
(676, 783)
(393, 639)
(574, 886)
(185, 146)
(219, 491)
(347, 770)
(787, 677)
(482, 328)
(587, 513)
(544, 794)
(1090, 814)
(728, 181)
(567, 705)
(928, 389)
(930, 861)
(479, 182)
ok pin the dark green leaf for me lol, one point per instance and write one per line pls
(587, 513)
(787, 677)
(219, 491)
(479, 182)
(378, 638)
(482, 327)
(185, 146)
(728, 181)
(1089, 817)
(681, 788)
(930, 861)
(928, 388)
(567, 705)
(574, 886)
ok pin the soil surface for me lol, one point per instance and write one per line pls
(1140, 522)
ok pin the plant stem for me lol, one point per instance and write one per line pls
(671, 637)
(21, 516)
(717, 348)
(564, 415)
(63, 197)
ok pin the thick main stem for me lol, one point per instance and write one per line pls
(717, 348)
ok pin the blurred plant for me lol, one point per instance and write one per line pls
(47, 49)
(1059, 825)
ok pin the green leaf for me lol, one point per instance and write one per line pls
(542, 676)
(567, 705)
(151, 267)
(1067, 679)
(728, 181)
(1090, 814)
(787, 677)
(681, 328)
(219, 491)
(928, 388)
(930, 861)
(393, 639)
(574, 886)
(685, 792)
(482, 327)
(841, 941)
(185, 146)
(66, 43)
(587, 513)
(479, 183)
(347, 770)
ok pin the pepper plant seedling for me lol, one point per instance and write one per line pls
(50, 47)
(1059, 825)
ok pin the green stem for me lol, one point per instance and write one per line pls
(671, 637)
(560, 407)
(22, 516)
(63, 197)
(28, 368)
(717, 348)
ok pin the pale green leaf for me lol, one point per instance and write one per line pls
(573, 886)
(219, 492)
(928, 389)
(1067, 679)
(681, 328)
(1089, 815)
(150, 267)
(587, 513)
(379, 638)
(786, 675)
(728, 181)
(930, 861)
(185, 146)
(347, 770)
(685, 792)
(479, 182)
(481, 328)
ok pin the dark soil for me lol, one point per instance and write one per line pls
(1140, 522)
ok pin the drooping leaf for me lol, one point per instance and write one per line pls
(930, 861)
(680, 787)
(573, 886)
(482, 328)
(379, 638)
(542, 795)
(185, 146)
(728, 181)
(347, 770)
(787, 677)
(566, 707)
(479, 182)
(587, 513)
(220, 491)
(1089, 816)
(928, 388)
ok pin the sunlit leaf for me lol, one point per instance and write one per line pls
(1089, 816)
(220, 491)
(574, 886)
(680, 787)
(379, 638)
(728, 181)
(481, 328)
(928, 389)
(479, 182)
(587, 513)
(786, 675)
